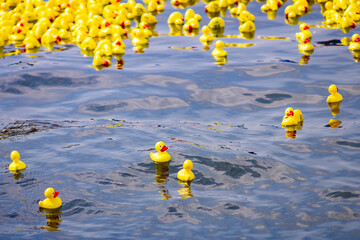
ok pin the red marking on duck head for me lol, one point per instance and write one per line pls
(107, 24)
(164, 148)
(306, 40)
(306, 27)
(56, 194)
(357, 40)
(106, 63)
(290, 113)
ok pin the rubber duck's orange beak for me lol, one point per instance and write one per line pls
(55, 194)
(306, 40)
(290, 113)
(357, 40)
(164, 148)
(306, 27)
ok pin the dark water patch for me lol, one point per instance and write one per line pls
(240, 170)
(270, 98)
(147, 103)
(34, 81)
(75, 206)
(27, 183)
(341, 195)
(341, 142)
(20, 128)
(264, 70)
(233, 96)
(22, 64)
(11, 215)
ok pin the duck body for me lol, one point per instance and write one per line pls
(52, 200)
(248, 26)
(292, 118)
(335, 96)
(354, 45)
(206, 38)
(305, 33)
(218, 51)
(16, 164)
(186, 174)
(176, 18)
(161, 155)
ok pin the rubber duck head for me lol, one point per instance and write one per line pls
(15, 156)
(333, 89)
(355, 38)
(188, 165)
(50, 193)
(219, 44)
(304, 27)
(289, 112)
(160, 147)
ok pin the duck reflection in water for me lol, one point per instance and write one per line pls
(335, 110)
(185, 190)
(18, 174)
(161, 178)
(52, 219)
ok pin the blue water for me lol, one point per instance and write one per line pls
(88, 134)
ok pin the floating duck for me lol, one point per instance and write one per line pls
(335, 96)
(118, 46)
(305, 33)
(139, 37)
(16, 164)
(52, 200)
(246, 27)
(292, 117)
(161, 155)
(100, 61)
(176, 18)
(186, 174)
(237, 10)
(246, 16)
(305, 46)
(190, 13)
(216, 23)
(206, 38)
(31, 42)
(218, 51)
(354, 45)
(191, 24)
(88, 44)
(212, 7)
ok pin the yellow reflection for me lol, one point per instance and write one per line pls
(52, 219)
(220, 61)
(18, 174)
(304, 59)
(161, 178)
(175, 30)
(335, 110)
(119, 61)
(292, 130)
(356, 56)
(185, 190)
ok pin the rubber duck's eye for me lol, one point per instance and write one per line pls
(160, 146)
(52, 193)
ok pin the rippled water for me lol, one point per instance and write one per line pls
(89, 133)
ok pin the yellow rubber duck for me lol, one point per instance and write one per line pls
(100, 61)
(31, 42)
(176, 18)
(354, 45)
(88, 44)
(291, 11)
(118, 46)
(305, 46)
(237, 10)
(248, 26)
(216, 23)
(138, 37)
(218, 51)
(305, 33)
(246, 16)
(292, 117)
(190, 13)
(161, 155)
(191, 24)
(335, 96)
(52, 200)
(206, 38)
(16, 164)
(186, 174)
(212, 7)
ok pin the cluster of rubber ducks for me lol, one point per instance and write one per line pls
(99, 27)
(293, 119)
(53, 201)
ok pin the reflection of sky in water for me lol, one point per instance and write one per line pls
(250, 180)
